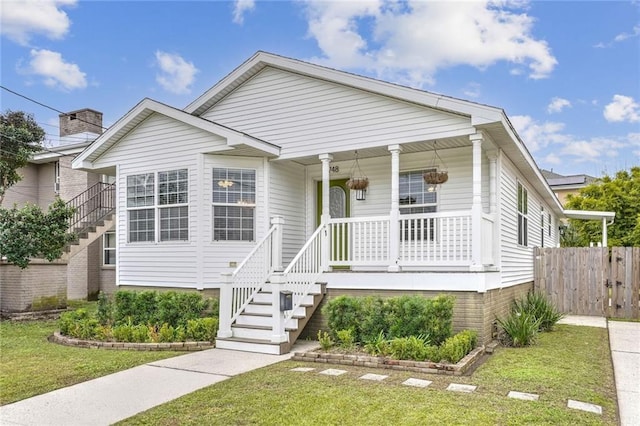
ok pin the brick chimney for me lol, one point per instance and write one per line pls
(83, 123)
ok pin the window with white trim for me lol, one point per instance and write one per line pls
(234, 204)
(109, 248)
(416, 196)
(158, 211)
(523, 225)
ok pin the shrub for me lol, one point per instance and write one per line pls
(124, 308)
(140, 334)
(518, 329)
(378, 346)
(177, 309)
(344, 313)
(202, 329)
(145, 305)
(325, 340)
(375, 317)
(537, 305)
(395, 317)
(68, 320)
(104, 313)
(432, 353)
(346, 339)
(457, 347)
(124, 332)
(410, 348)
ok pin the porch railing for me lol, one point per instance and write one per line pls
(435, 238)
(426, 239)
(305, 269)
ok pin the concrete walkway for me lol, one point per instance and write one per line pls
(624, 338)
(108, 399)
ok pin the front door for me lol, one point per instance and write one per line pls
(339, 207)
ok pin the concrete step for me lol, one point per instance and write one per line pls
(264, 298)
(253, 345)
(266, 309)
(264, 321)
(315, 288)
(259, 332)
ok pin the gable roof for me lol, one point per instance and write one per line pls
(479, 113)
(146, 108)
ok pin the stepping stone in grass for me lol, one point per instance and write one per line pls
(418, 383)
(523, 396)
(584, 406)
(332, 372)
(456, 387)
(374, 377)
(303, 369)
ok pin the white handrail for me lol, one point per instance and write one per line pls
(252, 273)
(305, 269)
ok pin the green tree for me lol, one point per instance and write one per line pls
(620, 194)
(29, 232)
(20, 138)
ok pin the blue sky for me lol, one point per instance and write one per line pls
(567, 73)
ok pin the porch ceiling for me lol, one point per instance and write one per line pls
(383, 151)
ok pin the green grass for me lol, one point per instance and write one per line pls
(30, 365)
(569, 363)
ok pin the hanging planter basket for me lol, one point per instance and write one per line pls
(435, 178)
(358, 183)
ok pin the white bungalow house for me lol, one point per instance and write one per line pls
(245, 190)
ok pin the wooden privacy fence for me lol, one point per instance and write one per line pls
(591, 280)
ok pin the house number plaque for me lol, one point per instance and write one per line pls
(335, 169)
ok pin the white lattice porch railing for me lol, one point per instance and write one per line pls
(240, 286)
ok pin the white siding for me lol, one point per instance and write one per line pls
(293, 112)
(159, 144)
(287, 199)
(516, 260)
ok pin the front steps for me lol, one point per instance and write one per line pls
(252, 329)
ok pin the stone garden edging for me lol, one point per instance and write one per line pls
(394, 364)
(56, 337)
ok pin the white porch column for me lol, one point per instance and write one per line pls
(493, 203)
(226, 296)
(604, 232)
(326, 215)
(476, 204)
(278, 333)
(276, 243)
(394, 214)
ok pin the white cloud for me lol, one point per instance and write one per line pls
(558, 148)
(56, 72)
(622, 108)
(20, 20)
(472, 90)
(557, 105)
(619, 38)
(240, 8)
(538, 135)
(176, 74)
(409, 42)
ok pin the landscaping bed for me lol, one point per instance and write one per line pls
(173, 346)
(363, 360)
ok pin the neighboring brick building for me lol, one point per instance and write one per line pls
(49, 174)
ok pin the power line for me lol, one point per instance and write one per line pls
(48, 107)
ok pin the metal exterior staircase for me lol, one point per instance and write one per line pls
(93, 216)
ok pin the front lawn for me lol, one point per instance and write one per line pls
(569, 363)
(30, 365)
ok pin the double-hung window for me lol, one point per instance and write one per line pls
(522, 215)
(234, 204)
(109, 248)
(416, 196)
(158, 212)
